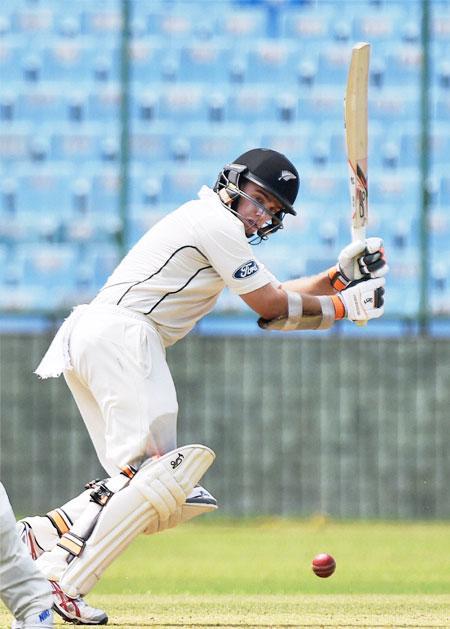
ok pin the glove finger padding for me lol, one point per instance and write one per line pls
(362, 301)
(371, 263)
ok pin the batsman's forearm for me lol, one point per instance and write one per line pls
(314, 285)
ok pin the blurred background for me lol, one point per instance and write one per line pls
(112, 113)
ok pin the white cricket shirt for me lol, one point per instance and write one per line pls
(176, 271)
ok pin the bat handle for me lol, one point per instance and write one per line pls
(361, 236)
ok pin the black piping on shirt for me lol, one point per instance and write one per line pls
(160, 269)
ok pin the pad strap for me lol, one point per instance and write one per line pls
(72, 543)
(60, 521)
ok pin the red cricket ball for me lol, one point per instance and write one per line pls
(323, 565)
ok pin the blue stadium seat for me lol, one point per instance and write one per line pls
(402, 293)
(377, 26)
(272, 61)
(307, 25)
(403, 65)
(105, 189)
(297, 141)
(442, 104)
(78, 60)
(14, 142)
(49, 266)
(399, 189)
(77, 145)
(12, 53)
(151, 145)
(219, 144)
(103, 20)
(203, 62)
(152, 60)
(334, 60)
(394, 105)
(104, 102)
(34, 22)
(326, 186)
(182, 103)
(41, 103)
(249, 104)
(43, 189)
(322, 103)
(181, 184)
(244, 23)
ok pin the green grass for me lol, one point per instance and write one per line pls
(256, 573)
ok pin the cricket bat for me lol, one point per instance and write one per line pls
(356, 137)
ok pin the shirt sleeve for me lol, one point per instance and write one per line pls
(224, 243)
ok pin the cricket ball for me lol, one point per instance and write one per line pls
(323, 565)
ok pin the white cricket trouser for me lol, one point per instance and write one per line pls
(23, 589)
(122, 386)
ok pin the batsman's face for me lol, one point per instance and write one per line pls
(253, 216)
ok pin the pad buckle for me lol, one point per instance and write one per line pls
(101, 495)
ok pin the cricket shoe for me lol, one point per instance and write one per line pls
(42, 620)
(201, 496)
(76, 610)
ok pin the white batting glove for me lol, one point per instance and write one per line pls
(361, 302)
(368, 253)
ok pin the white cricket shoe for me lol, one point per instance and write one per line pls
(201, 496)
(76, 610)
(35, 621)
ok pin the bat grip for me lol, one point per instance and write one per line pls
(363, 322)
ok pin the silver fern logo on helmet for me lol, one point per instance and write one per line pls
(286, 175)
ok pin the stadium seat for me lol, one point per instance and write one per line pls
(310, 26)
(78, 60)
(377, 26)
(150, 60)
(33, 22)
(182, 103)
(103, 21)
(220, 143)
(272, 61)
(334, 60)
(205, 62)
(403, 65)
(321, 103)
(14, 142)
(77, 145)
(41, 103)
(399, 189)
(394, 105)
(104, 102)
(105, 189)
(43, 189)
(248, 104)
(12, 53)
(243, 24)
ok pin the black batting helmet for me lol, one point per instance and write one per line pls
(271, 171)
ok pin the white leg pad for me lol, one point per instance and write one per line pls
(156, 492)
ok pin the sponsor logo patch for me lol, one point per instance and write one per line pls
(245, 270)
(177, 461)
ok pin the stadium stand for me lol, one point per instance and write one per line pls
(207, 83)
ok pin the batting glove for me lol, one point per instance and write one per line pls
(369, 254)
(361, 302)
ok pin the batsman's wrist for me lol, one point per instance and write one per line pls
(337, 279)
(339, 307)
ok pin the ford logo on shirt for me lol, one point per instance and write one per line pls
(245, 270)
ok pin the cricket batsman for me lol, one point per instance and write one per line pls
(112, 353)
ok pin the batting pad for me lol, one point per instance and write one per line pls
(156, 492)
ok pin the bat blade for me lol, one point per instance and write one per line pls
(356, 135)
